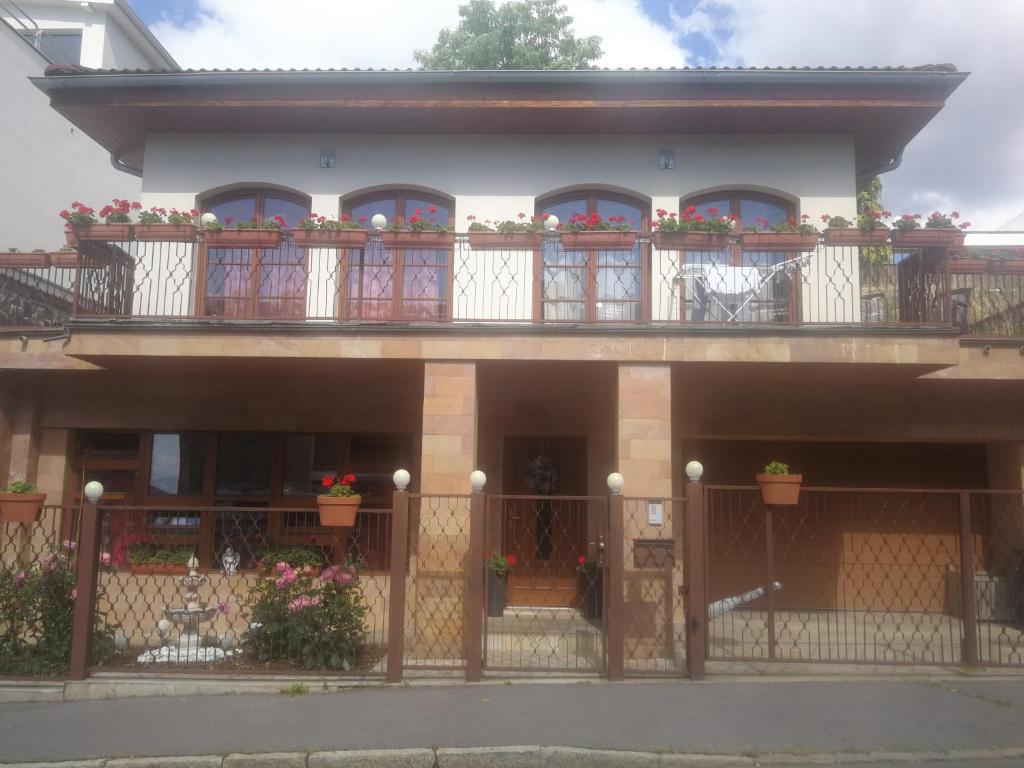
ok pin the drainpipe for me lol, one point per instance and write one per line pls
(865, 177)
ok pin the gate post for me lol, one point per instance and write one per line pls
(396, 578)
(474, 613)
(696, 615)
(969, 611)
(83, 617)
(615, 616)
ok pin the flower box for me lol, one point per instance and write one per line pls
(167, 233)
(242, 238)
(928, 238)
(780, 490)
(21, 507)
(779, 241)
(157, 569)
(111, 233)
(855, 236)
(511, 241)
(411, 238)
(598, 241)
(330, 238)
(690, 241)
(338, 511)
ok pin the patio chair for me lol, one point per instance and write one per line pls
(729, 292)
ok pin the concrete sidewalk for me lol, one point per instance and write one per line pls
(733, 718)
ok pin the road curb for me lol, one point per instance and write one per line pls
(525, 757)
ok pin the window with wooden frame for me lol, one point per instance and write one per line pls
(591, 286)
(258, 283)
(404, 284)
(740, 272)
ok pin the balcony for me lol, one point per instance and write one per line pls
(831, 286)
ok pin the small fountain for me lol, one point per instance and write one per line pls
(189, 648)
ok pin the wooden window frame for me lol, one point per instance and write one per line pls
(259, 195)
(401, 196)
(592, 197)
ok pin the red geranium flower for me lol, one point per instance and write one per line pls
(327, 481)
(348, 479)
(582, 559)
(512, 560)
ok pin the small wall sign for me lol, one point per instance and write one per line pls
(655, 513)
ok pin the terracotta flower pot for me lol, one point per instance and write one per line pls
(115, 233)
(21, 507)
(242, 238)
(780, 490)
(338, 511)
(928, 238)
(167, 233)
(511, 241)
(690, 241)
(779, 241)
(856, 236)
(598, 241)
(330, 238)
(410, 238)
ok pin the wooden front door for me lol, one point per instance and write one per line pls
(546, 531)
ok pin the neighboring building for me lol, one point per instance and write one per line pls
(44, 156)
(209, 386)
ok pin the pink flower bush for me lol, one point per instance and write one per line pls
(302, 602)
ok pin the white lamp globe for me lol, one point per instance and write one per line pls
(551, 222)
(615, 483)
(379, 221)
(694, 471)
(208, 218)
(93, 490)
(477, 480)
(401, 479)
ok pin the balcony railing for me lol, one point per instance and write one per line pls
(832, 285)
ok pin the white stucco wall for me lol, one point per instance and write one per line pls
(495, 177)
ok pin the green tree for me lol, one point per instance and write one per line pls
(523, 34)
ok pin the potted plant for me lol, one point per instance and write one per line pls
(83, 225)
(784, 236)
(523, 233)
(778, 486)
(340, 503)
(590, 587)
(295, 555)
(21, 503)
(869, 230)
(264, 233)
(157, 224)
(691, 231)
(593, 232)
(498, 566)
(322, 232)
(157, 559)
(420, 231)
(939, 231)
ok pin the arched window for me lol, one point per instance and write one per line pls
(757, 290)
(258, 282)
(593, 286)
(399, 283)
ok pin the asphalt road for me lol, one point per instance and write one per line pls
(713, 717)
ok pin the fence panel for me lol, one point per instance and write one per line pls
(855, 575)
(37, 582)
(654, 575)
(271, 590)
(999, 576)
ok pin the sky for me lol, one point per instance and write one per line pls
(969, 158)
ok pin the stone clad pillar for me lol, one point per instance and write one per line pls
(645, 429)
(449, 427)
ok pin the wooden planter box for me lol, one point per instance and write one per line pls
(408, 238)
(242, 238)
(855, 236)
(498, 241)
(111, 233)
(21, 507)
(330, 238)
(690, 241)
(157, 569)
(598, 241)
(338, 511)
(167, 233)
(928, 238)
(780, 490)
(779, 241)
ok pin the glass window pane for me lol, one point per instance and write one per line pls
(369, 210)
(177, 465)
(442, 214)
(59, 47)
(565, 210)
(243, 465)
(287, 209)
(608, 209)
(751, 209)
(724, 208)
(239, 209)
(307, 458)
